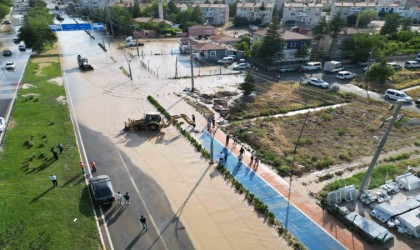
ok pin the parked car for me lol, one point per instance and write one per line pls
(60, 18)
(395, 65)
(240, 66)
(10, 65)
(412, 65)
(345, 75)
(418, 57)
(16, 40)
(226, 60)
(7, 52)
(364, 64)
(397, 95)
(417, 102)
(2, 124)
(366, 69)
(22, 46)
(285, 69)
(312, 66)
(318, 82)
(102, 189)
(6, 21)
(333, 66)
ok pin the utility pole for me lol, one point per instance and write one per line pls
(366, 179)
(192, 68)
(293, 163)
(109, 17)
(176, 68)
(366, 72)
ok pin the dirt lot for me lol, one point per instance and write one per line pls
(331, 136)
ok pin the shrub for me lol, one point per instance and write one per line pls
(324, 163)
(339, 173)
(345, 157)
(403, 156)
(326, 177)
(342, 131)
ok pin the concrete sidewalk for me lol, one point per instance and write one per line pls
(175, 105)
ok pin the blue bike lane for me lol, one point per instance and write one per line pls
(302, 227)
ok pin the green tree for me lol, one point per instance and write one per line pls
(244, 45)
(380, 72)
(351, 20)
(335, 26)
(196, 15)
(34, 31)
(320, 31)
(136, 9)
(392, 23)
(365, 17)
(255, 48)
(4, 10)
(232, 9)
(406, 23)
(248, 86)
(122, 18)
(272, 45)
(302, 51)
(361, 44)
(172, 7)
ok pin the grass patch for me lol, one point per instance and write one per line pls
(379, 175)
(34, 214)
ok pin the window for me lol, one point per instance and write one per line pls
(212, 53)
(292, 44)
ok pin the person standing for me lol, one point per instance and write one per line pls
(240, 157)
(61, 148)
(93, 166)
(143, 221)
(193, 118)
(127, 198)
(53, 179)
(252, 159)
(257, 162)
(221, 157)
(242, 151)
(55, 154)
(119, 198)
(82, 167)
(227, 139)
(213, 122)
(208, 126)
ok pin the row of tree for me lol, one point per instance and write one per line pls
(34, 31)
(5, 7)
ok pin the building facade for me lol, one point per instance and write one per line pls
(201, 30)
(260, 13)
(214, 14)
(304, 15)
(347, 9)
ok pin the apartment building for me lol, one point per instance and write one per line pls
(347, 9)
(260, 13)
(214, 14)
(305, 15)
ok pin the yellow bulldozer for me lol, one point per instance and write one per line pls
(154, 121)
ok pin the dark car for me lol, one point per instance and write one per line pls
(60, 18)
(102, 190)
(16, 40)
(417, 102)
(7, 52)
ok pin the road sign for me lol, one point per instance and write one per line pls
(76, 26)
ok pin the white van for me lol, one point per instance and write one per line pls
(333, 66)
(411, 64)
(312, 66)
(226, 60)
(397, 95)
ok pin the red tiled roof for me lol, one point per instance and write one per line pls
(207, 46)
(200, 26)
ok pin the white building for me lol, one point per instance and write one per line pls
(414, 13)
(411, 220)
(98, 3)
(214, 14)
(255, 12)
(347, 9)
(303, 14)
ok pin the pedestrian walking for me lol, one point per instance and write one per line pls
(234, 141)
(53, 179)
(82, 167)
(252, 159)
(55, 155)
(53, 150)
(240, 157)
(93, 166)
(242, 151)
(119, 198)
(60, 147)
(213, 122)
(221, 157)
(143, 221)
(208, 126)
(227, 139)
(193, 118)
(127, 199)
(257, 162)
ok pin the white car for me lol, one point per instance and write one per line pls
(241, 66)
(318, 82)
(312, 66)
(10, 65)
(2, 124)
(345, 75)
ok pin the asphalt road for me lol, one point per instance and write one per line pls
(9, 79)
(148, 199)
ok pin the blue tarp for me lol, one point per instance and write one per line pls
(302, 227)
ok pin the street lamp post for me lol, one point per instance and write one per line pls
(211, 145)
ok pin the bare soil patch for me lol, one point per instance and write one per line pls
(62, 100)
(27, 86)
(57, 80)
(401, 80)
(331, 136)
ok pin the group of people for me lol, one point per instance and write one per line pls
(92, 167)
(119, 197)
(54, 152)
(276, 76)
